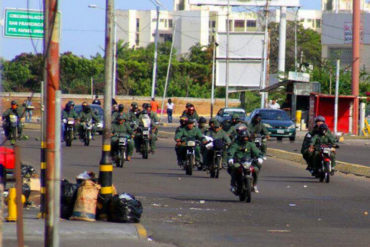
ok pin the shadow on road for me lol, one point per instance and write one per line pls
(164, 174)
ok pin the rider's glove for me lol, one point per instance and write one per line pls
(230, 162)
(260, 161)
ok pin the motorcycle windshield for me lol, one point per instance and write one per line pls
(146, 121)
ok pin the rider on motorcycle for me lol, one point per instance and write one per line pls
(256, 127)
(216, 133)
(183, 121)
(120, 112)
(189, 132)
(243, 149)
(69, 112)
(13, 110)
(86, 115)
(236, 125)
(190, 112)
(153, 116)
(324, 137)
(121, 127)
(307, 155)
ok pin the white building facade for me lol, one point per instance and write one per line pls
(192, 24)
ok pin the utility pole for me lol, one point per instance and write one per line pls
(265, 48)
(356, 61)
(114, 73)
(106, 167)
(336, 98)
(282, 42)
(52, 70)
(213, 74)
(295, 41)
(155, 52)
(227, 54)
(168, 69)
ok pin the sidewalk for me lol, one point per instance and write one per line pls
(78, 233)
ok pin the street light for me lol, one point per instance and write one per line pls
(114, 69)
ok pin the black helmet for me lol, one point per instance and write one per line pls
(190, 121)
(134, 105)
(323, 128)
(71, 103)
(13, 102)
(244, 133)
(202, 120)
(320, 119)
(183, 120)
(188, 105)
(121, 107)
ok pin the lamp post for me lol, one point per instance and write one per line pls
(114, 61)
(154, 78)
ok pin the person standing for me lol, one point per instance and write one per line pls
(29, 107)
(154, 105)
(96, 101)
(274, 104)
(170, 109)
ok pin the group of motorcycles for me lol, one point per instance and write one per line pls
(85, 133)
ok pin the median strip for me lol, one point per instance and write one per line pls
(341, 166)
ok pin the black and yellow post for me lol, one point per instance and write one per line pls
(42, 180)
(106, 167)
(105, 180)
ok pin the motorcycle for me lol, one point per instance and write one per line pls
(86, 132)
(244, 180)
(69, 131)
(121, 152)
(10, 127)
(144, 130)
(189, 161)
(217, 146)
(325, 169)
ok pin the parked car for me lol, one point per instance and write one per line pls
(226, 114)
(98, 111)
(277, 122)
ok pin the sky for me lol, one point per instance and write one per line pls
(82, 27)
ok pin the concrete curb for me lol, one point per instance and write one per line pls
(341, 166)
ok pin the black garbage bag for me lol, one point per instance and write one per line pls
(125, 208)
(68, 195)
(26, 191)
(27, 171)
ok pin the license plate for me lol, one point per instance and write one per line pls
(280, 131)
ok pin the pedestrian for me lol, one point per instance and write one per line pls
(274, 104)
(170, 109)
(96, 101)
(29, 107)
(154, 104)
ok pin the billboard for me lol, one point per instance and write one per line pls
(242, 73)
(261, 3)
(23, 23)
(242, 45)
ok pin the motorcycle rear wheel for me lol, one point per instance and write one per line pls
(248, 186)
(327, 177)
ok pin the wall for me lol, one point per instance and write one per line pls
(201, 105)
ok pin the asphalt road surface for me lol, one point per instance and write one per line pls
(292, 209)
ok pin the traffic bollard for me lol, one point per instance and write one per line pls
(12, 205)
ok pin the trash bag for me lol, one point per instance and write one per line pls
(125, 208)
(68, 195)
(26, 191)
(27, 171)
(86, 201)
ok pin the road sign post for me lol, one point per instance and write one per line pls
(21, 23)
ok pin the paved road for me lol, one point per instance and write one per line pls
(292, 209)
(352, 150)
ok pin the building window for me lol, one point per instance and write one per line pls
(212, 24)
(137, 40)
(170, 23)
(154, 20)
(251, 23)
(137, 24)
(318, 23)
(239, 25)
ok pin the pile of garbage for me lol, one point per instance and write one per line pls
(81, 201)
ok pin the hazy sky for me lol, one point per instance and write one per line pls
(82, 27)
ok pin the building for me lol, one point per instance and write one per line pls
(336, 37)
(310, 19)
(192, 24)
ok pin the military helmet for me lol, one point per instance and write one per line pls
(13, 102)
(121, 107)
(190, 121)
(202, 120)
(320, 119)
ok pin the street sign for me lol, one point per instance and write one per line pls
(23, 23)
(254, 3)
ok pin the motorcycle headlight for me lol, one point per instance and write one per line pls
(291, 126)
(267, 125)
